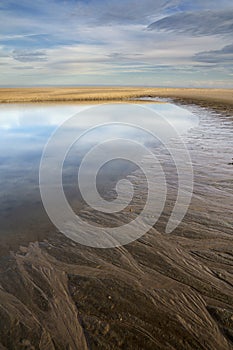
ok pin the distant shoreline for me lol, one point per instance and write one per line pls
(220, 100)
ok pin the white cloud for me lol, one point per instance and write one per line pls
(197, 23)
(98, 42)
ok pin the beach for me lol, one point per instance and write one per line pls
(163, 291)
(116, 175)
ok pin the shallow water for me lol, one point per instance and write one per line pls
(24, 131)
(163, 291)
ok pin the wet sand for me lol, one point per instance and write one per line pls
(161, 292)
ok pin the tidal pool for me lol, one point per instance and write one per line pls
(145, 294)
(24, 131)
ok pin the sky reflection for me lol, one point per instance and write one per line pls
(24, 131)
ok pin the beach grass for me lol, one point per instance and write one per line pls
(220, 100)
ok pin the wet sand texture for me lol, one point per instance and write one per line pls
(160, 292)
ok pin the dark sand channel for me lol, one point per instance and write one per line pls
(161, 292)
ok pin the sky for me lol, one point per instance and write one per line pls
(176, 43)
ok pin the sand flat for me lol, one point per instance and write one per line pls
(160, 292)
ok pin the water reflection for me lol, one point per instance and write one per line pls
(24, 131)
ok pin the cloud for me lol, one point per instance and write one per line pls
(223, 56)
(200, 5)
(103, 41)
(88, 13)
(29, 56)
(197, 23)
(23, 67)
(105, 12)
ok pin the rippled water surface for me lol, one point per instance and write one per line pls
(162, 291)
(25, 129)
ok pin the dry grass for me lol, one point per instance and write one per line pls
(220, 100)
(80, 95)
(102, 94)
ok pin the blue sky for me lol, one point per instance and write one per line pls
(116, 42)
